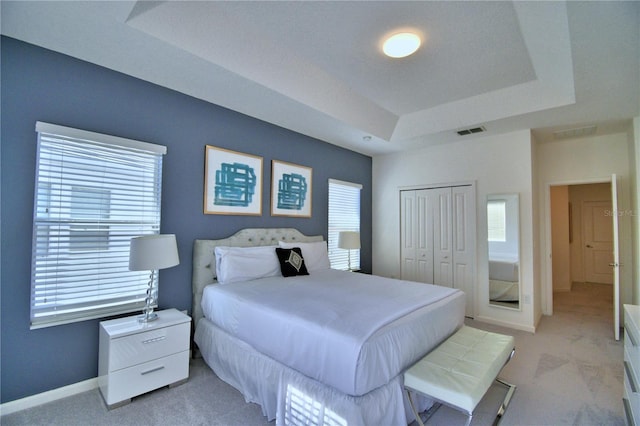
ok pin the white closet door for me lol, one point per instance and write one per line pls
(438, 238)
(464, 242)
(442, 237)
(416, 228)
(408, 235)
(424, 247)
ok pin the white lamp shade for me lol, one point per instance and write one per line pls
(150, 252)
(349, 240)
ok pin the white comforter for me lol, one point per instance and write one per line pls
(351, 331)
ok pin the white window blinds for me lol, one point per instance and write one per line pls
(344, 215)
(93, 194)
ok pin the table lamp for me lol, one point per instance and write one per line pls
(349, 240)
(152, 252)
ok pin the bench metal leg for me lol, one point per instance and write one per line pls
(468, 420)
(430, 412)
(413, 407)
(436, 405)
(507, 398)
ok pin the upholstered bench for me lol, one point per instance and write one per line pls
(460, 371)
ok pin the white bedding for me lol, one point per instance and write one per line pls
(503, 268)
(271, 384)
(350, 331)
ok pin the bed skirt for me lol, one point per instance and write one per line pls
(286, 395)
(504, 291)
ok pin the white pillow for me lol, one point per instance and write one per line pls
(235, 264)
(315, 254)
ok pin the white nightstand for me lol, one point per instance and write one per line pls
(631, 395)
(135, 357)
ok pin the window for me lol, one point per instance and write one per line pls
(496, 220)
(93, 194)
(344, 215)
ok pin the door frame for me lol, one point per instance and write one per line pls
(547, 290)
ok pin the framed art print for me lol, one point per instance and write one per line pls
(232, 182)
(290, 189)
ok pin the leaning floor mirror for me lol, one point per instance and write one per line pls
(503, 227)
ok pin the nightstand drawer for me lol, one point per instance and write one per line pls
(129, 382)
(632, 341)
(633, 398)
(631, 393)
(134, 349)
(632, 369)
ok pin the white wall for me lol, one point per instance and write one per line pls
(498, 164)
(585, 160)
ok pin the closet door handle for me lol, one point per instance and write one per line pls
(632, 380)
(589, 246)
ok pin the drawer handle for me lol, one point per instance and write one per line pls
(627, 411)
(632, 379)
(153, 370)
(631, 339)
(155, 339)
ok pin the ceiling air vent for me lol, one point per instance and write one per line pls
(472, 130)
(575, 133)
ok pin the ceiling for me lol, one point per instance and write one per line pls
(316, 67)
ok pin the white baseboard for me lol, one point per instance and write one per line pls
(506, 324)
(49, 396)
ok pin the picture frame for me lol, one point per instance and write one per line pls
(232, 182)
(291, 189)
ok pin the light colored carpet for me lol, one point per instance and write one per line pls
(568, 373)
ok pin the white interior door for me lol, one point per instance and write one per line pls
(598, 241)
(442, 237)
(616, 258)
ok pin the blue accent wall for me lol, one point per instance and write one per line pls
(41, 85)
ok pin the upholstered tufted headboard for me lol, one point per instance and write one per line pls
(204, 261)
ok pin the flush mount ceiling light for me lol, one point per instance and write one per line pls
(401, 45)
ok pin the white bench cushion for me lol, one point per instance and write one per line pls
(460, 371)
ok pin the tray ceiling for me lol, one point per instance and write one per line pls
(316, 67)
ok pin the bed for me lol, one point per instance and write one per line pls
(322, 348)
(504, 279)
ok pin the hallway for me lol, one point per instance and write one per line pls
(590, 305)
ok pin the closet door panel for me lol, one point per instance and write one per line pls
(443, 238)
(424, 228)
(464, 243)
(408, 246)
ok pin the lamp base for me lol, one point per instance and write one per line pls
(147, 313)
(147, 317)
